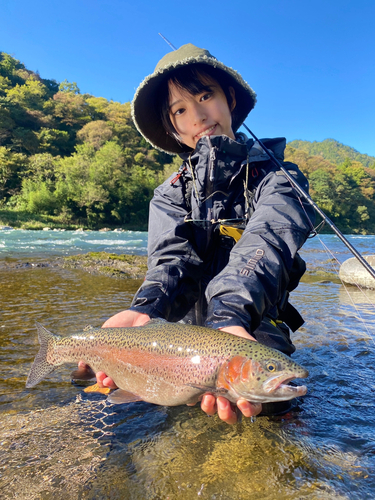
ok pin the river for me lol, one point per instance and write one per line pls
(56, 442)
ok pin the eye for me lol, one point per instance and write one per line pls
(271, 366)
(205, 97)
(178, 112)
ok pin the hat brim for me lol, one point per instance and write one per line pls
(147, 118)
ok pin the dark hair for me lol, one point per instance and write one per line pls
(189, 78)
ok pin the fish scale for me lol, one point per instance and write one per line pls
(173, 363)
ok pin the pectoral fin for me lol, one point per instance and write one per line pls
(119, 396)
(211, 390)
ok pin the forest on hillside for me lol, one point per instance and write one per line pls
(79, 158)
(344, 191)
(72, 154)
(333, 151)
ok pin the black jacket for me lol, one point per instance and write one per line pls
(196, 273)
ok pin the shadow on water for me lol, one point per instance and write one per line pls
(57, 442)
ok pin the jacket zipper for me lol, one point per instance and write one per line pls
(209, 189)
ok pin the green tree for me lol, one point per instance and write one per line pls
(71, 110)
(11, 166)
(31, 95)
(95, 133)
(71, 88)
(53, 141)
(25, 140)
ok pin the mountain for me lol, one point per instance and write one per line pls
(333, 151)
(79, 158)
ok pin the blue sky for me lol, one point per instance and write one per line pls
(311, 62)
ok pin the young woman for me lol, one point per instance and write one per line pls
(225, 231)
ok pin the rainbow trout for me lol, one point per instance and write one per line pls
(173, 364)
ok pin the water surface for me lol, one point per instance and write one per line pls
(56, 442)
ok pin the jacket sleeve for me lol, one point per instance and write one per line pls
(171, 286)
(260, 264)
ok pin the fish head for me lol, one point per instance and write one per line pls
(262, 380)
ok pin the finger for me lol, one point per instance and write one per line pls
(208, 404)
(100, 377)
(104, 381)
(84, 372)
(225, 411)
(108, 382)
(249, 409)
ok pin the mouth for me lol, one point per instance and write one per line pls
(280, 386)
(207, 131)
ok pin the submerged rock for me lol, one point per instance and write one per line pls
(354, 273)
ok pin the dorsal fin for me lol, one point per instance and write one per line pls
(87, 328)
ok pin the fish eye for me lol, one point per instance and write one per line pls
(271, 366)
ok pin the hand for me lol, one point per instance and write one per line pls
(126, 319)
(122, 319)
(239, 331)
(227, 410)
(224, 408)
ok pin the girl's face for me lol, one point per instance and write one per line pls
(194, 116)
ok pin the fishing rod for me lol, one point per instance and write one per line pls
(303, 193)
(167, 41)
(308, 198)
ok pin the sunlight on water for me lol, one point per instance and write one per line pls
(56, 442)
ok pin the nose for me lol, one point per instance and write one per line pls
(198, 113)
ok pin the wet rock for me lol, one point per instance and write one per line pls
(354, 273)
(109, 264)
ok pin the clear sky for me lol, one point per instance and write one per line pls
(311, 62)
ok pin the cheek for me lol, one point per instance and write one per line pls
(177, 124)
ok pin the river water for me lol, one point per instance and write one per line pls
(57, 442)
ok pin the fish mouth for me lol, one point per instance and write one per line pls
(280, 386)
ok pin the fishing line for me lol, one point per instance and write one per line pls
(308, 198)
(329, 252)
(314, 231)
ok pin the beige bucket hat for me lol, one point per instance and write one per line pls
(145, 114)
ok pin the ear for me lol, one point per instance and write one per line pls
(233, 96)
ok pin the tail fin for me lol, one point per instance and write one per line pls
(41, 368)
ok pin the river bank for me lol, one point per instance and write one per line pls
(24, 220)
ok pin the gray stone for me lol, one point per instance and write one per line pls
(354, 273)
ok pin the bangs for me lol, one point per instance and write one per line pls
(189, 80)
